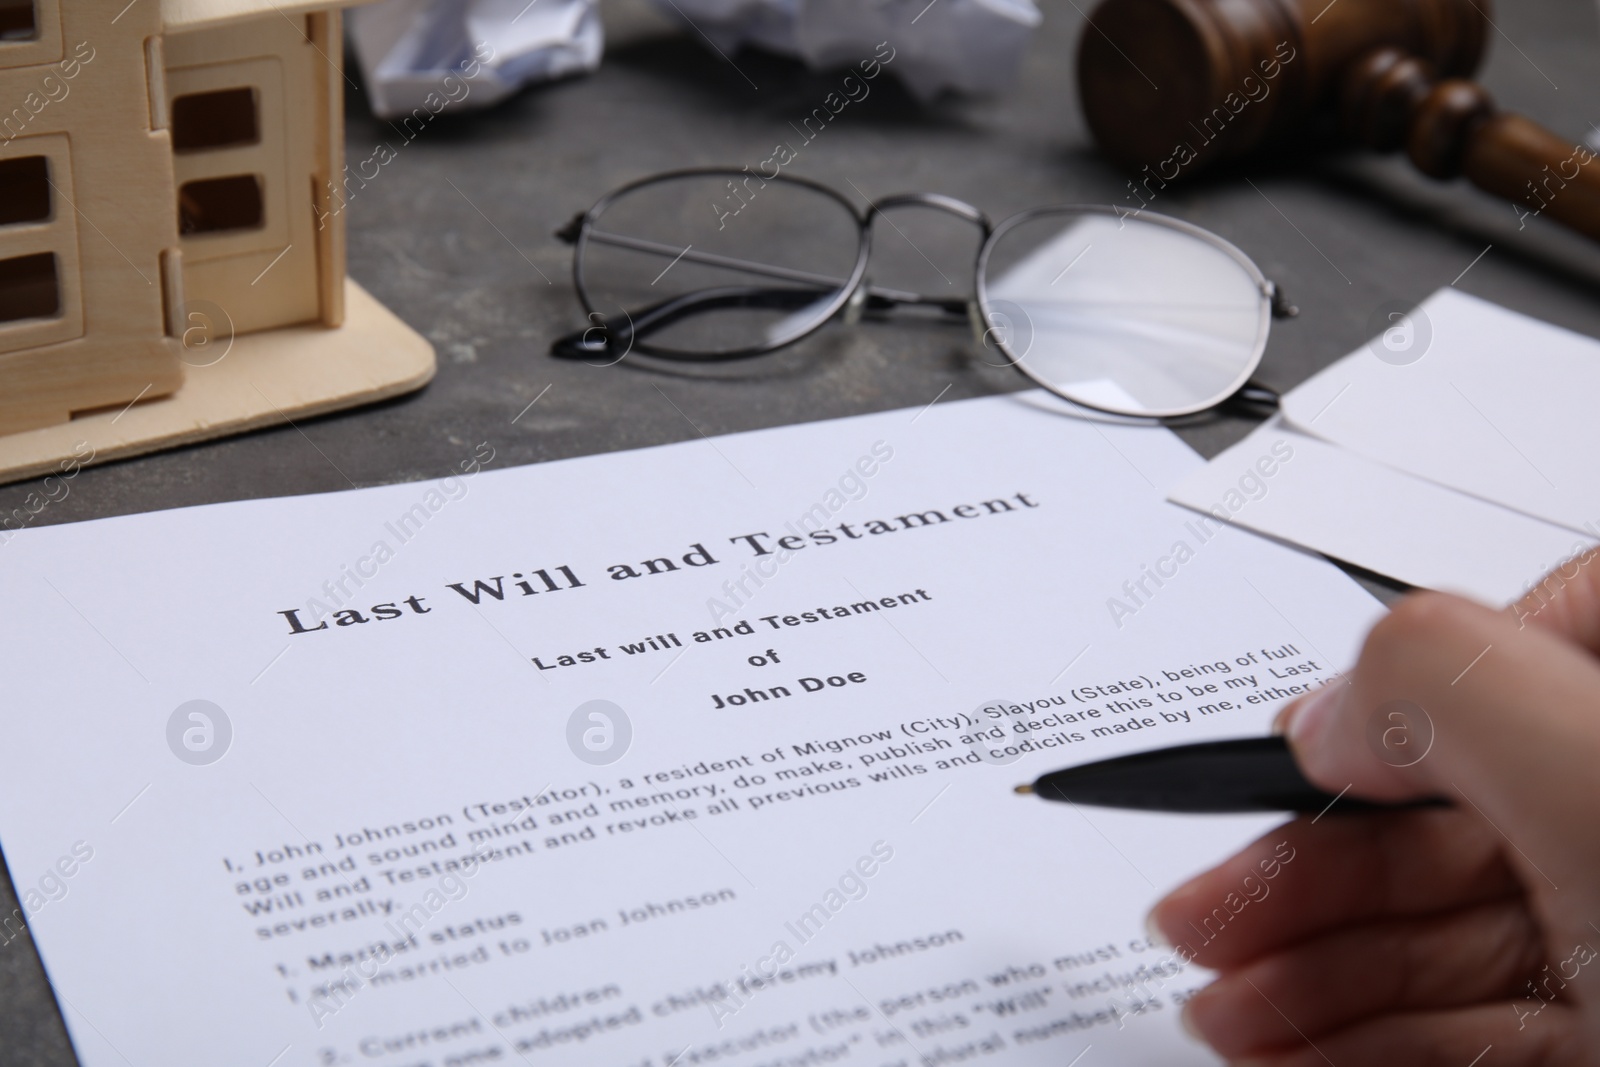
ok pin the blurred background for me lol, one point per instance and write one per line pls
(455, 234)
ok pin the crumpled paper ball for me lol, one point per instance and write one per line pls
(437, 54)
(966, 46)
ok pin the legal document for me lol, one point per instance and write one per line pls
(699, 754)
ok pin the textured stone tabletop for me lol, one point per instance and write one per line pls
(454, 234)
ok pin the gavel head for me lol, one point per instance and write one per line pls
(1178, 85)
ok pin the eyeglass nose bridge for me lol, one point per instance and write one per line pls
(865, 292)
(937, 201)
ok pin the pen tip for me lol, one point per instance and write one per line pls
(1025, 790)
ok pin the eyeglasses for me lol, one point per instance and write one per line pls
(1128, 314)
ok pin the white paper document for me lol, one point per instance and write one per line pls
(1472, 396)
(1312, 493)
(700, 754)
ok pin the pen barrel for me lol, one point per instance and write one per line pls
(1251, 774)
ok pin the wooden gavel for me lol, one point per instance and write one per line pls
(1172, 86)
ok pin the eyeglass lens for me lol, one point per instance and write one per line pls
(1124, 314)
(710, 264)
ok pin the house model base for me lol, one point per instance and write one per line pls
(260, 379)
(172, 232)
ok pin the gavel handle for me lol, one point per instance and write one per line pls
(1452, 128)
(1540, 173)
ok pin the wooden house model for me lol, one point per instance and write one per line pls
(172, 260)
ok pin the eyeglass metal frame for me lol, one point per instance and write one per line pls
(854, 298)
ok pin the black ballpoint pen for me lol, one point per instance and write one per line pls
(1249, 774)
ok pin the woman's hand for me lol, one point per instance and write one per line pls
(1451, 937)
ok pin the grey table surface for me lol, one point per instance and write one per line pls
(455, 236)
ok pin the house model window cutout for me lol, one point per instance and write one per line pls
(170, 264)
(17, 20)
(24, 190)
(222, 118)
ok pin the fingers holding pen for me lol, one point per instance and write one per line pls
(1470, 956)
(1419, 938)
(1511, 718)
(1409, 676)
(1312, 876)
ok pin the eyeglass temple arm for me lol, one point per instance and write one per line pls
(572, 230)
(1255, 398)
(599, 340)
(607, 339)
(878, 298)
(1282, 306)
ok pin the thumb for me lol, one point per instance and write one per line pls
(1566, 601)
